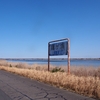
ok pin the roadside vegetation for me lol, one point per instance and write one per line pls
(82, 80)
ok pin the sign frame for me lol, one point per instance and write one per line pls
(68, 52)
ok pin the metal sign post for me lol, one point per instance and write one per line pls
(68, 56)
(59, 47)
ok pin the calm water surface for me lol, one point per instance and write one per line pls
(95, 63)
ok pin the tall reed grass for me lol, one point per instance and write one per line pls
(82, 80)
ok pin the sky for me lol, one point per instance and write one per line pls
(26, 27)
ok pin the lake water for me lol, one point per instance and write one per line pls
(95, 63)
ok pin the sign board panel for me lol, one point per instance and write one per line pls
(60, 48)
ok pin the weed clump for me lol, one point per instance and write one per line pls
(56, 69)
(10, 65)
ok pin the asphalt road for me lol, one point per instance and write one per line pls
(4, 96)
(15, 87)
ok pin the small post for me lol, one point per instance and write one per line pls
(48, 57)
(68, 56)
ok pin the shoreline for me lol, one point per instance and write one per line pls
(53, 59)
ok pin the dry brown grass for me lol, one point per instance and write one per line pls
(85, 81)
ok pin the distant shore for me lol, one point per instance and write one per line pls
(55, 59)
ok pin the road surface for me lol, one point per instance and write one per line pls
(15, 87)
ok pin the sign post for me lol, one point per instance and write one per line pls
(59, 47)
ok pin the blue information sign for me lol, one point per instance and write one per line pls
(60, 48)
